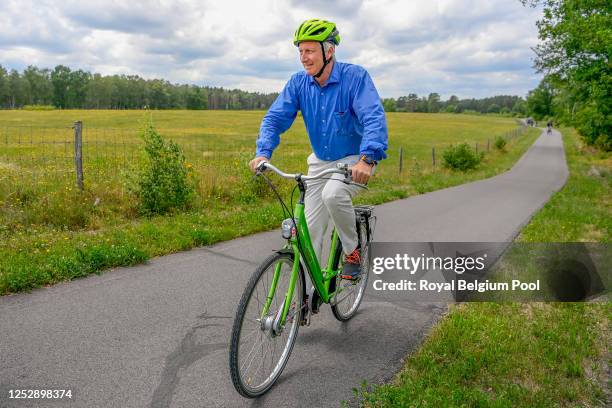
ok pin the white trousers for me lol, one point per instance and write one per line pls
(325, 198)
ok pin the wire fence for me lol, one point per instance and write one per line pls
(85, 157)
(82, 156)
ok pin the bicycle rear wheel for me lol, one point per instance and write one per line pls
(347, 300)
(259, 348)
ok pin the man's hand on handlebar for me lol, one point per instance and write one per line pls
(361, 172)
(255, 162)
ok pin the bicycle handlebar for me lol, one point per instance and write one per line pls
(341, 168)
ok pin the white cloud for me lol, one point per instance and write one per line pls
(464, 47)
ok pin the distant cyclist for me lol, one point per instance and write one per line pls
(345, 122)
(549, 126)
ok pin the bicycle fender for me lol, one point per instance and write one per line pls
(285, 251)
(290, 251)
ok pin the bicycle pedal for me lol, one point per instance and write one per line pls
(351, 282)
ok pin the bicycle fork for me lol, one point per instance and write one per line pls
(276, 322)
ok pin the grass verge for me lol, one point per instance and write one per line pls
(521, 355)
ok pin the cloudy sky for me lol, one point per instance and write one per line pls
(470, 48)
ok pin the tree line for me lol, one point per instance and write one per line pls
(574, 55)
(505, 104)
(64, 88)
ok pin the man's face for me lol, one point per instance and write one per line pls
(311, 56)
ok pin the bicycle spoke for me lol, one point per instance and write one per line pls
(248, 335)
(265, 289)
(260, 361)
(273, 356)
(253, 321)
(249, 356)
(257, 298)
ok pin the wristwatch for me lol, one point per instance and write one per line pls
(368, 160)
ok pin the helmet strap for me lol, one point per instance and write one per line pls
(325, 62)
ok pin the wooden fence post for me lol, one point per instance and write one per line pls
(78, 152)
(401, 159)
(433, 156)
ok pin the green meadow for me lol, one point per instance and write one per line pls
(50, 231)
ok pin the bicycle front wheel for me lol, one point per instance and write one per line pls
(349, 294)
(260, 347)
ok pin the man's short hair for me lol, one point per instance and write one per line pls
(327, 45)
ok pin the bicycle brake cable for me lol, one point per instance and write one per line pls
(283, 205)
(286, 211)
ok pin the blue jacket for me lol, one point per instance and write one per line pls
(345, 117)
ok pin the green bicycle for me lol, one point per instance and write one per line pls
(275, 301)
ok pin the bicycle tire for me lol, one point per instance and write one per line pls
(242, 380)
(344, 309)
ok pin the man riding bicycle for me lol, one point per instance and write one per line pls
(345, 122)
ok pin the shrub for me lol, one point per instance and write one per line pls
(594, 126)
(500, 143)
(461, 157)
(165, 183)
(604, 142)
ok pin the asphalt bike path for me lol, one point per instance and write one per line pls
(157, 335)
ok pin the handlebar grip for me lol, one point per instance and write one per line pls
(345, 167)
(342, 166)
(261, 166)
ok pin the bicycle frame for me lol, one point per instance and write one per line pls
(321, 278)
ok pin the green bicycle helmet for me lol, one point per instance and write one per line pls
(316, 30)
